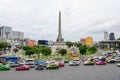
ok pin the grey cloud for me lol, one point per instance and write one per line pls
(80, 18)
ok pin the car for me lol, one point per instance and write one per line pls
(30, 62)
(102, 58)
(41, 63)
(118, 65)
(84, 59)
(66, 61)
(111, 61)
(4, 67)
(23, 67)
(101, 63)
(88, 63)
(117, 59)
(52, 66)
(96, 58)
(39, 67)
(13, 64)
(61, 63)
(74, 63)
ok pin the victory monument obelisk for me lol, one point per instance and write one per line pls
(60, 40)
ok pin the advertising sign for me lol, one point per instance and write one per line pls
(89, 41)
(82, 40)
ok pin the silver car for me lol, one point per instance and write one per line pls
(74, 63)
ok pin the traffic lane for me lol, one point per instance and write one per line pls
(96, 72)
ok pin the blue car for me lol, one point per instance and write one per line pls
(40, 63)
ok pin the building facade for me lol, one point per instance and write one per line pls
(106, 36)
(112, 36)
(5, 33)
(17, 35)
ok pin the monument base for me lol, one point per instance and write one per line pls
(57, 46)
(59, 43)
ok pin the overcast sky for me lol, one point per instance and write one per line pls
(38, 19)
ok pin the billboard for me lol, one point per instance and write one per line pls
(31, 43)
(82, 40)
(43, 42)
(89, 41)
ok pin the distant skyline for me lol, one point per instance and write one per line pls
(38, 19)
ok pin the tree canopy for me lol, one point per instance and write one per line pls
(118, 38)
(62, 52)
(3, 45)
(46, 51)
(27, 48)
(83, 49)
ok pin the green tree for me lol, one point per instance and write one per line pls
(62, 52)
(37, 51)
(118, 38)
(46, 51)
(25, 48)
(29, 52)
(69, 44)
(3, 45)
(83, 49)
(92, 50)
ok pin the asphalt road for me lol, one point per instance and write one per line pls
(103, 72)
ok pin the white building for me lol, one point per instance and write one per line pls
(106, 36)
(5, 33)
(17, 35)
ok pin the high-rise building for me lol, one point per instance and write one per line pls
(106, 36)
(5, 32)
(112, 36)
(17, 35)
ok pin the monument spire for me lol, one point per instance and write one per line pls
(59, 38)
(59, 30)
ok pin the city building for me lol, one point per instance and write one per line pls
(111, 43)
(106, 36)
(17, 35)
(31, 43)
(112, 36)
(15, 38)
(5, 33)
(28, 42)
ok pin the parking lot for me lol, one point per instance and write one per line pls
(95, 72)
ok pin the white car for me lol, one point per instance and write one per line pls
(74, 63)
(30, 62)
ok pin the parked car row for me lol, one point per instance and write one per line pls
(52, 64)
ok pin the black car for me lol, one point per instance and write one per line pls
(39, 67)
